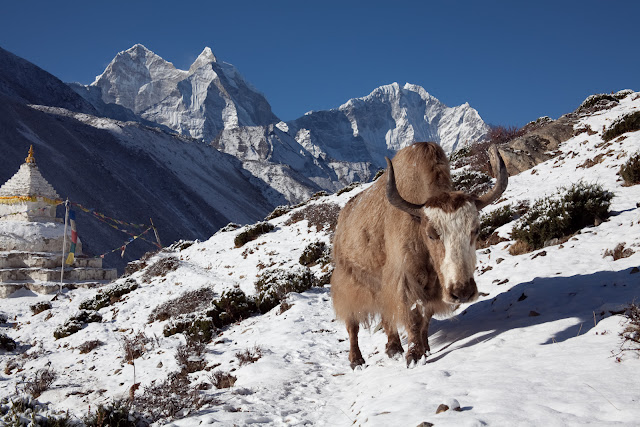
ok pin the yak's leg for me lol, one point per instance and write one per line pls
(394, 346)
(355, 357)
(425, 334)
(416, 339)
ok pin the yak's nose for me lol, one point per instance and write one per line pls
(464, 291)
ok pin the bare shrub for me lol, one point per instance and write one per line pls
(88, 346)
(40, 382)
(249, 355)
(12, 365)
(174, 397)
(199, 326)
(619, 252)
(631, 332)
(188, 302)
(477, 156)
(190, 356)
(252, 233)
(160, 268)
(221, 379)
(135, 346)
(322, 216)
(6, 343)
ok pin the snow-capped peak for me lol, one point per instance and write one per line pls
(206, 57)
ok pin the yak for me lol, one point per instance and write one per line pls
(404, 249)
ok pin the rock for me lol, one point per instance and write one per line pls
(442, 408)
(634, 270)
(499, 260)
(425, 424)
(159, 365)
(533, 313)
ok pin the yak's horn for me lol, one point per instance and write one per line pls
(502, 177)
(395, 198)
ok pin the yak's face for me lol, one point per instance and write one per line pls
(450, 236)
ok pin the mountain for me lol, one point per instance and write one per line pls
(125, 170)
(199, 102)
(544, 344)
(388, 119)
(322, 150)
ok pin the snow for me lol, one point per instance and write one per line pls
(541, 348)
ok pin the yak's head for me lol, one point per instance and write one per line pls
(449, 226)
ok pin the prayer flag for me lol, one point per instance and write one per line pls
(74, 237)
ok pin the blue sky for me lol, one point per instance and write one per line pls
(513, 61)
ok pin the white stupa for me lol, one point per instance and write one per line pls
(31, 238)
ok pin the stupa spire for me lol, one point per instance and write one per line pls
(30, 159)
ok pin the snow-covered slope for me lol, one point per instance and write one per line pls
(540, 346)
(198, 102)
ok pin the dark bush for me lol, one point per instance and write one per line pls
(322, 216)
(196, 326)
(252, 233)
(348, 188)
(471, 182)
(627, 123)
(273, 285)
(3, 318)
(88, 346)
(630, 171)
(160, 268)
(77, 322)
(315, 253)
(40, 382)
(109, 296)
(552, 218)
(278, 212)
(40, 307)
(233, 306)
(497, 218)
(6, 342)
(318, 195)
(189, 302)
(24, 410)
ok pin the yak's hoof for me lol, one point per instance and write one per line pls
(416, 357)
(358, 363)
(394, 349)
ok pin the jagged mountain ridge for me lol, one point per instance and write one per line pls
(321, 150)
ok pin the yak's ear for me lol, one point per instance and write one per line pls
(396, 199)
(502, 178)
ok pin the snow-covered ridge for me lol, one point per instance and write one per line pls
(540, 344)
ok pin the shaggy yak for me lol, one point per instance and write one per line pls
(405, 251)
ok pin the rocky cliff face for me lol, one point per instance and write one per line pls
(199, 102)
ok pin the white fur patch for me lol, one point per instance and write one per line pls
(455, 232)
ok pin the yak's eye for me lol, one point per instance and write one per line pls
(433, 234)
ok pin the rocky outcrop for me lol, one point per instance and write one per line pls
(537, 145)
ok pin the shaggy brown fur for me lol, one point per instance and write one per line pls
(388, 261)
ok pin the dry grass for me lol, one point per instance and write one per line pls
(249, 355)
(88, 346)
(135, 346)
(41, 382)
(519, 248)
(188, 302)
(160, 268)
(321, 216)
